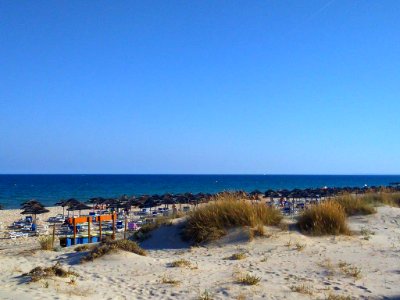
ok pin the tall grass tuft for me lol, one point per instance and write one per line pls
(211, 221)
(46, 242)
(383, 197)
(355, 205)
(323, 219)
(111, 246)
(392, 199)
(39, 273)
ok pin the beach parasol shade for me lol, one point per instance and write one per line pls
(168, 201)
(96, 200)
(29, 203)
(116, 204)
(79, 206)
(70, 202)
(149, 203)
(34, 209)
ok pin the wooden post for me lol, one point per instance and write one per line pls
(89, 221)
(54, 234)
(113, 225)
(100, 227)
(74, 223)
(126, 219)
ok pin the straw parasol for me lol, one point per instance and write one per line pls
(78, 206)
(35, 208)
(67, 203)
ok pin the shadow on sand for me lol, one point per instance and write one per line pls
(166, 238)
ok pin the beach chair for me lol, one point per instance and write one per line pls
(286, 210)
(19, 224)
(120, 226)
(133, 226)
(14, 235)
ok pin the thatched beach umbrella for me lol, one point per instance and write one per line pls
(167, 199)
(79, 206)
(29, 203)
(149, 203)
(34, 209)
(96, 200)
(68, 203)
(115, 203)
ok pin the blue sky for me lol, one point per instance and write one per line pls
(248, 87)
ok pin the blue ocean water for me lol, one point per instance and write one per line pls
(49, 189)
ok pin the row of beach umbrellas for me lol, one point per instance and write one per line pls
(34, 207)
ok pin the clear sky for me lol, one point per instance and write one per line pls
(292, 87)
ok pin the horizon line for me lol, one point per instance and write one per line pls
(202, 174)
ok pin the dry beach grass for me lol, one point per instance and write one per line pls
(110, 246)
(328, 218)
(226, 211)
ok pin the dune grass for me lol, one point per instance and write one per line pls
(383, 197)
(355, 205)
(211, 221)
(257, 231)
(111, 246)
(39, 273)
(83, 248)
(169, 280)
(302, 289)
(237, 256)
(328, 218)
(205, 296)
(338, 297)
(180, 263)
(350, 270)
(391, 199)
(46, 242)
(247, 279)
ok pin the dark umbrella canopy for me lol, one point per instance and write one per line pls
(79, 206)
(34, 209)
(70, 202)
(96, 200)
(30, 203)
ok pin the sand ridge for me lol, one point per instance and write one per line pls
(321, 265)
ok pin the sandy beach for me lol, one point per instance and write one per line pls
(290, 265)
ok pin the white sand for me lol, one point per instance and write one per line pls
(279, 265)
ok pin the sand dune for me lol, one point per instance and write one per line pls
(322, 267)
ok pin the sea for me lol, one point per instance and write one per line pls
(49, 189)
